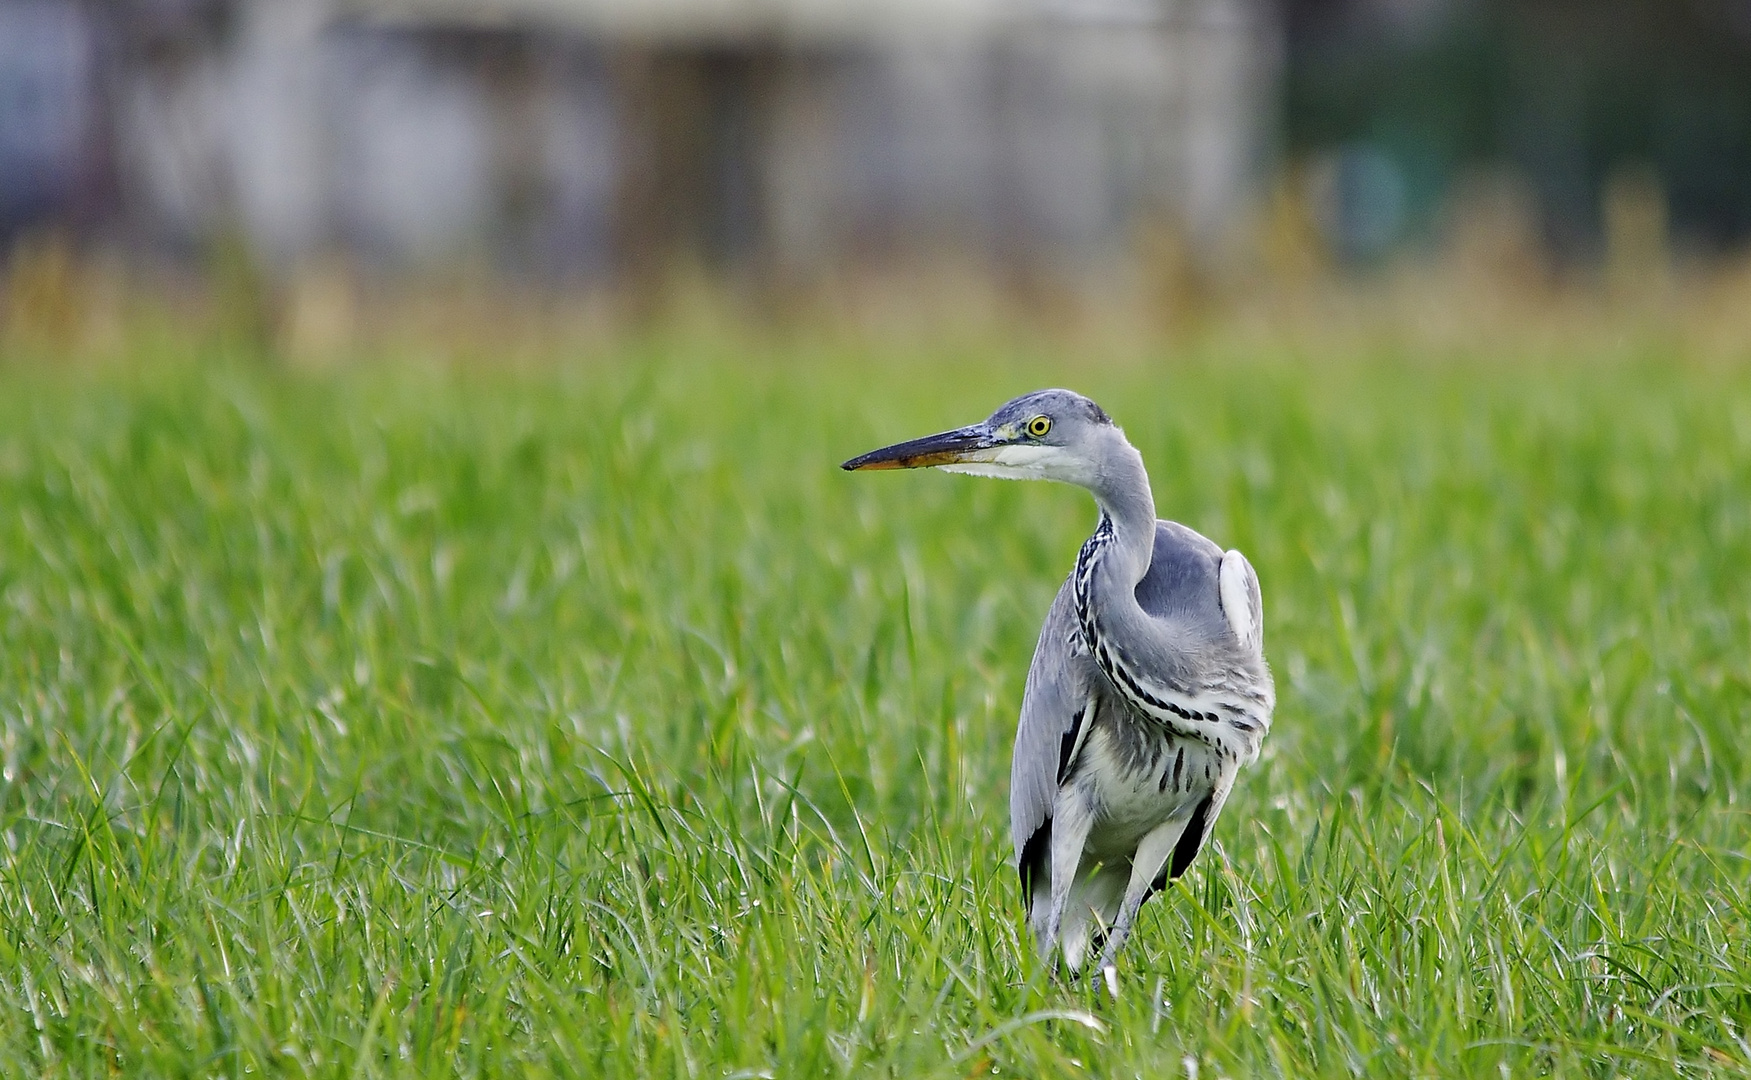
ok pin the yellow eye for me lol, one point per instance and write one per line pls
(1038, 426)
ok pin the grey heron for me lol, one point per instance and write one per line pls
(1148, 690)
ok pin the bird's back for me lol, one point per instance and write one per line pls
(1181, 584)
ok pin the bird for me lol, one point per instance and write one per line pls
(1148, 691)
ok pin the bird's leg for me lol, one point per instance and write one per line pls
(1152, 854)
(1072, 817)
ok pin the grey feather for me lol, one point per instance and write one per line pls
(1058, 688)
(1180, 586)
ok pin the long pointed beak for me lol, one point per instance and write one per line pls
(949, 448)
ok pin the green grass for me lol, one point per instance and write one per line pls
(593, 723)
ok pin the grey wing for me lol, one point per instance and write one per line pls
(1181, 586)
(1210, 594)
(1053, 710)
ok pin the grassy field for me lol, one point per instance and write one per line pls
(589, 721)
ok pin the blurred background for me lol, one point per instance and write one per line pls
(304, 167)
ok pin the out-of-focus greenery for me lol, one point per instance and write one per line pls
(1566, 94)
(587, 720)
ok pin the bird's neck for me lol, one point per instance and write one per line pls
(1121, 488)
(1130, 646)
(1148, 660)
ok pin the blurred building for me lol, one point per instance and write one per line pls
(601, 137)
(50, 157)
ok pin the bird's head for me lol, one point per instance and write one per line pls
(1045, 435)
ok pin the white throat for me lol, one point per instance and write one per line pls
(1022, 461)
